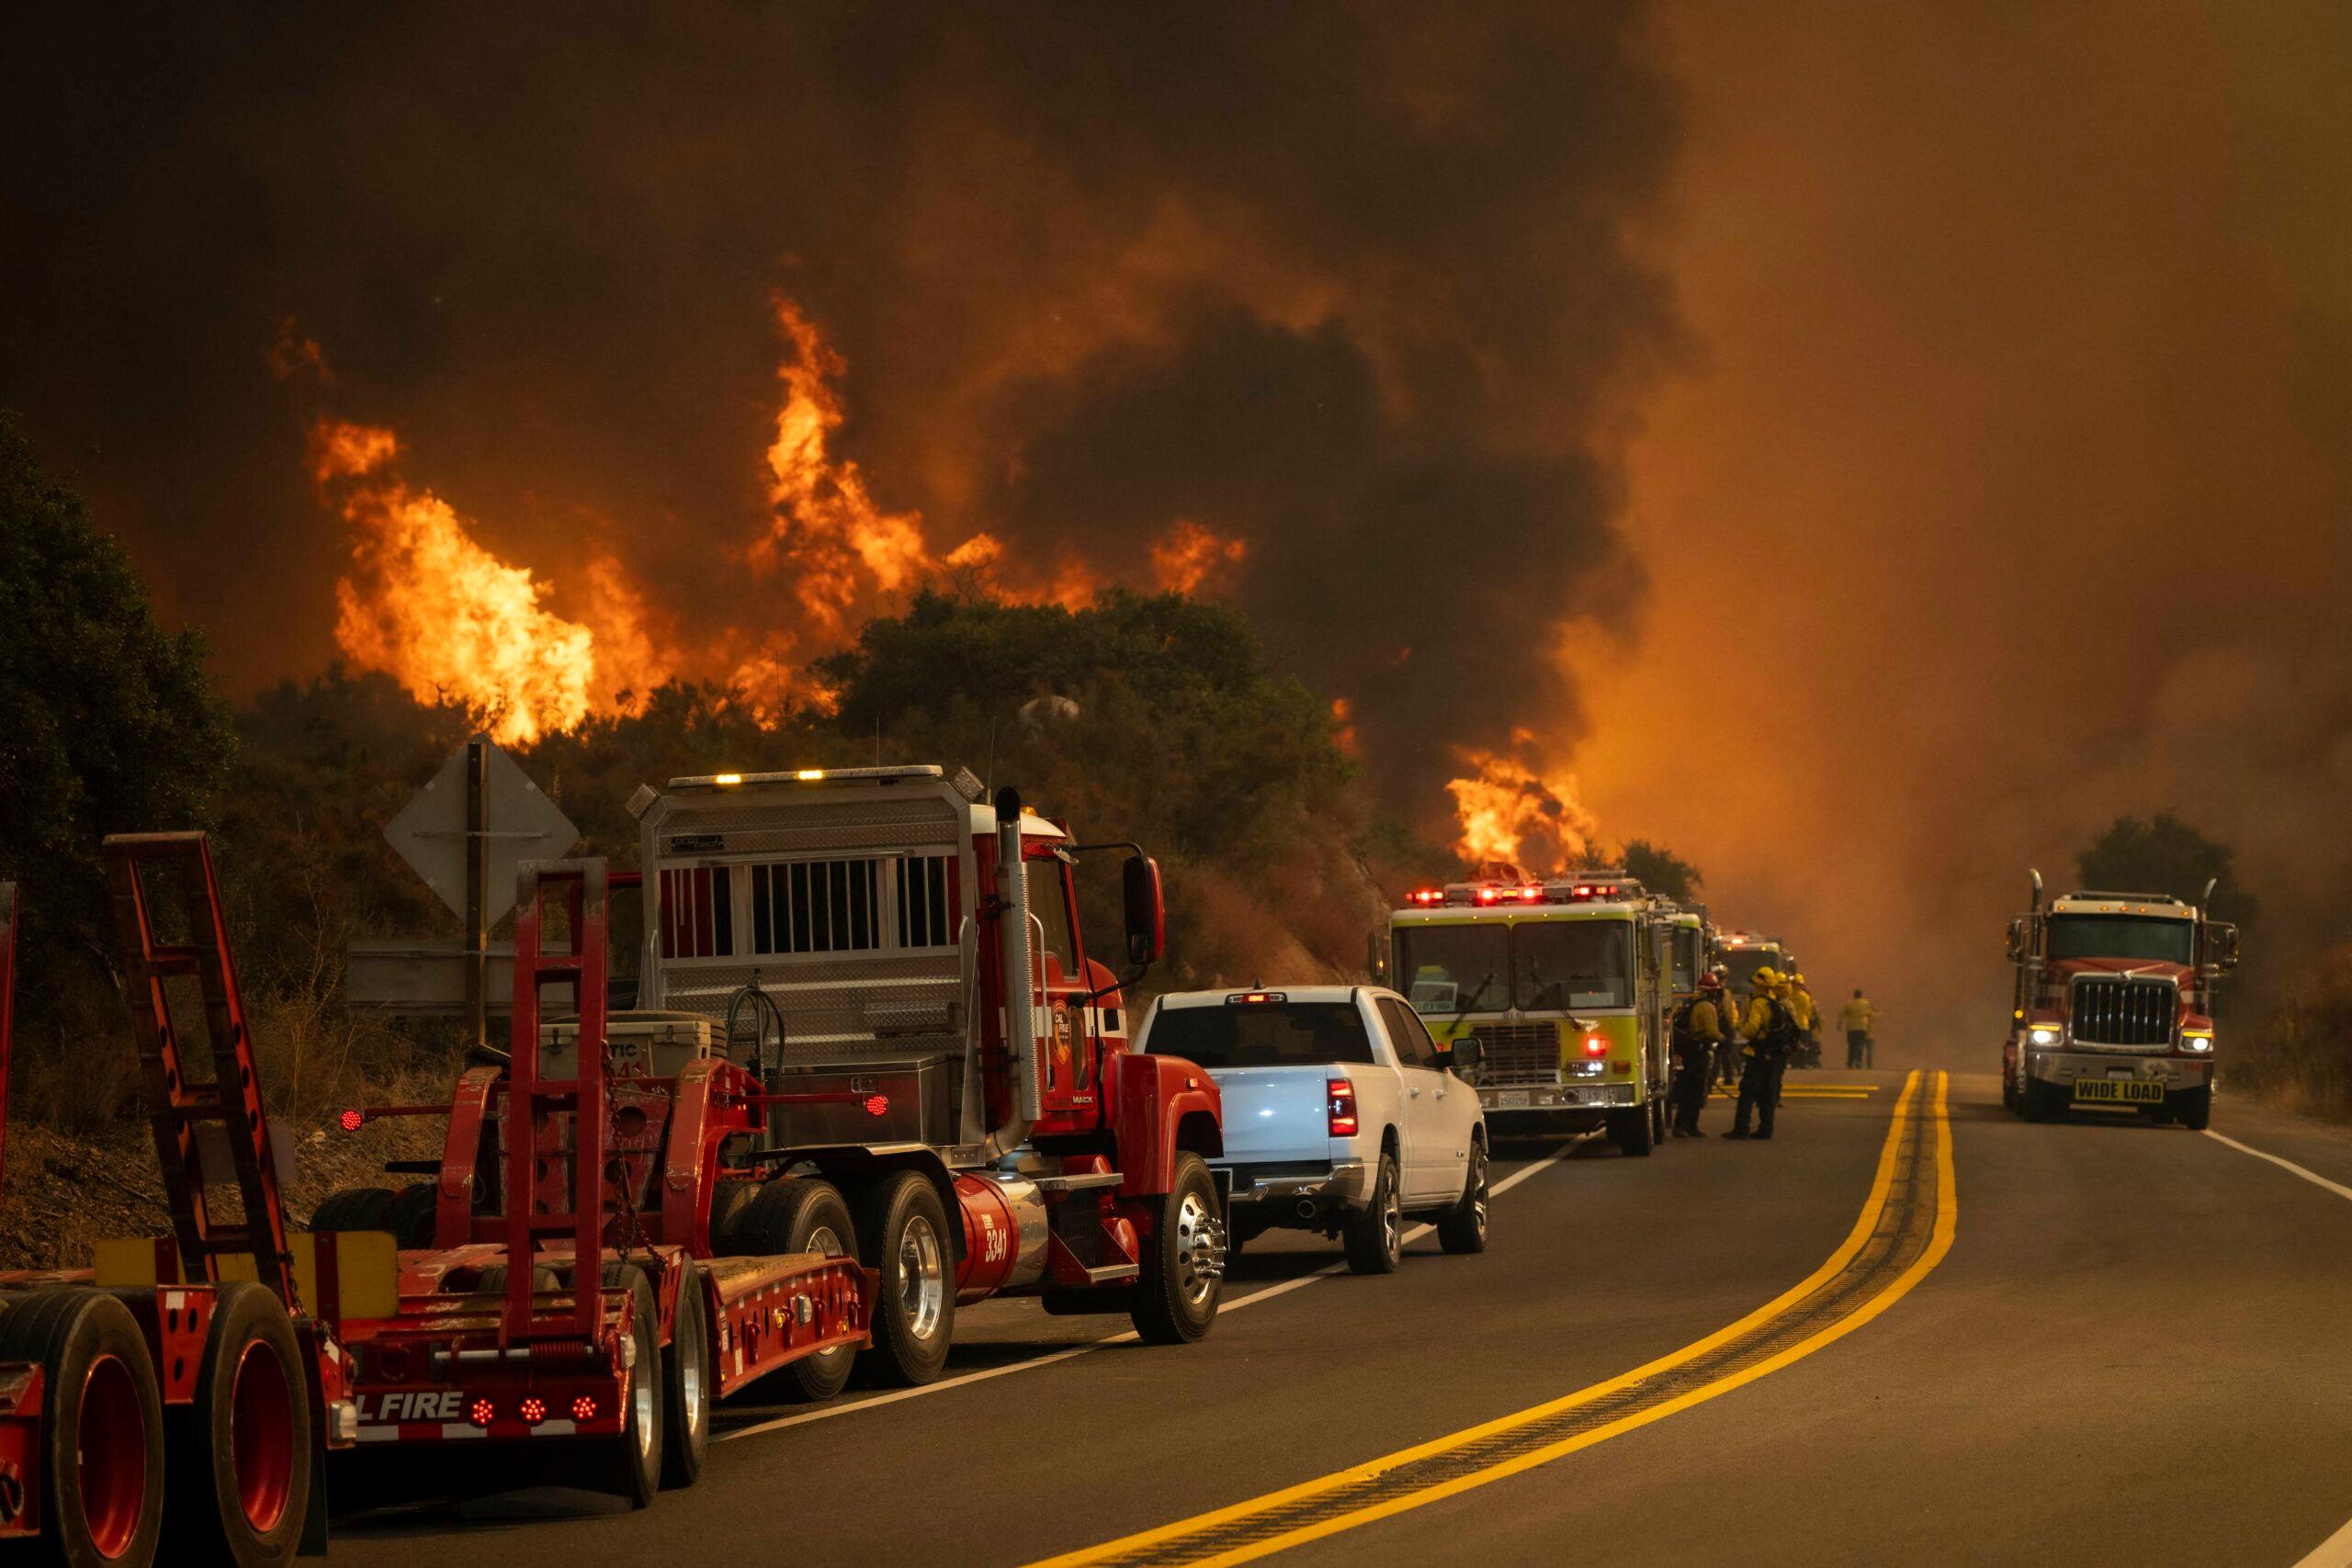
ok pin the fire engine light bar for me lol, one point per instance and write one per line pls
(810, 775)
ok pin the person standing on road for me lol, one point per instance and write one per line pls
(1769, 1032)
(1698, 1036)
(1807, 1049)
(1857, 1018)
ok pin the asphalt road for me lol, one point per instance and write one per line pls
(1913, 1338)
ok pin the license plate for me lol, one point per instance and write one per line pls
(1508, 1099)
(2120, 1091)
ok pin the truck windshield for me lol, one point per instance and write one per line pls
(1441, 967)
(1560, 966)
(2122, 936)
(1685, 949)
(1740, 964)
(1261, 1034)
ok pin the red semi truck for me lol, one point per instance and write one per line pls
(900, 961)
(2113, 1005)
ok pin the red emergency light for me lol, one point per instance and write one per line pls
(1427, 896)
(352, 1121)
(878, 1104)
(1594, 1045)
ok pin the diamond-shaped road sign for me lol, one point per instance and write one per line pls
(519, 824)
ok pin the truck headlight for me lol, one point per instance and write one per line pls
(2197, 1041)
(2041, 1034)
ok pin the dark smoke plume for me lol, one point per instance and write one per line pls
(1353, 284)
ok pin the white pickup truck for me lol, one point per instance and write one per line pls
(1342, 1115)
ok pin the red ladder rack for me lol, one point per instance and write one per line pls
(176, 1108)
(536, 1108)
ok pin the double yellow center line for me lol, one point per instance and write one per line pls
(1905, 1229)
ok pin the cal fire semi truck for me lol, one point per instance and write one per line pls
(1564, 982)
(900, 961)
(2113, 1005)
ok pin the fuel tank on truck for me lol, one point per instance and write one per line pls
(1005, 1230)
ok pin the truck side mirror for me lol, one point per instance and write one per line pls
(1467, 1053)
(2017, 939)
(1146, 911)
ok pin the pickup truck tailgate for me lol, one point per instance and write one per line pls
(1276, 1114)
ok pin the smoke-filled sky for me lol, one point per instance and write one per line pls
(1871, 444)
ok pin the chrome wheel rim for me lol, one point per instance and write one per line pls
(1200, 1248)
(823, 1239)
(1392, 1220)
(922, 1279)
(690, 1383)
(641, 1403)
(1479, 1186)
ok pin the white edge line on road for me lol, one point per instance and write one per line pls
(1074, 1351)
(2335, 1551)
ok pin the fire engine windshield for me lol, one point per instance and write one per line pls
(1261, 1034)
(2122, 936)
(1443, 967)
(1565, 965)
(1740, 964)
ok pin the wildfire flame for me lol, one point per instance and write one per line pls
(1509, 811)
(1188, 554)
(425, 602)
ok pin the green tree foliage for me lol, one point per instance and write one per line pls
(2165, 855)
(1662, 871)
(107, 723)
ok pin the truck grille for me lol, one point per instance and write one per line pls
(1519, 1053)
(2125, 1012)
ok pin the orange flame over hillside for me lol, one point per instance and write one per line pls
(1509, 811)
(426, 604)
(439, 613)
(1188, 554)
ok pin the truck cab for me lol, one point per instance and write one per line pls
(2113, 1005)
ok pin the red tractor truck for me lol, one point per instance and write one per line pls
(821, 1063)
(2113, 1005)
(185, 1389)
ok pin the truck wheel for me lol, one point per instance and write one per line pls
(354, 1209)
(1658, 1119)
(2042, 1102)
(2008, 1090)
(1463, 1228)
(903, 1237)
(728, 1200)
(100, 1442)
(631, 1464)
(410, 1215)
(687, 1376)
(1183, 1263)
(1629, 1129)
(1375, 1235)
(796, 1214)
(242, 1455)
(2195, 1108)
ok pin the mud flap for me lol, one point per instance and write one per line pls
(314, 1519)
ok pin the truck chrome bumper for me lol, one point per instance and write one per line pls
(1555, 1097)
(2177, 1074)
(1344, 1181)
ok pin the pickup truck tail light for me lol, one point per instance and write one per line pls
(1341, 1105)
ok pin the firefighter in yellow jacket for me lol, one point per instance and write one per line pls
(1769, 1030)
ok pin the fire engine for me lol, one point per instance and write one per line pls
(2111, 1006)
(1564, 981)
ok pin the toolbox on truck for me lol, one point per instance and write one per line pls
(655, 1044)
(904, 1100)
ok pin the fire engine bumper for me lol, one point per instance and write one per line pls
(1516, 1110)
(2176, 1075)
